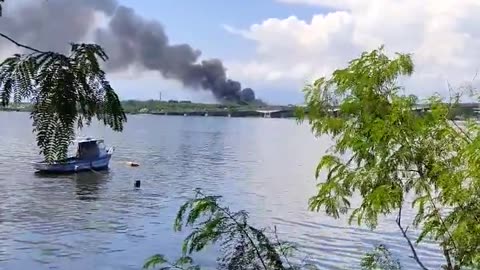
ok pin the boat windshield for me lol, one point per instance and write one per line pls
(101, 145)
(87, 150)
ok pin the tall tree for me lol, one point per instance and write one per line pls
(397, 157)
(67, 91)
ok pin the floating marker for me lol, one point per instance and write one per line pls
(133, 164)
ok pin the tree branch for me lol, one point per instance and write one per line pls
(447, 257)
(284, 254)
(467, 137)
(242, 229)
(432, 202)
(404, 233)
(437, 211)
(19, 44)
(475, 76)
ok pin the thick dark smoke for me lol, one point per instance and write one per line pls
(128, 38)
(247, 95)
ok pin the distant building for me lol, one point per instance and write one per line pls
(185, 101)
(172, 101)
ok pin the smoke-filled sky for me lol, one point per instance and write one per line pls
(275, 46)
(131, 41)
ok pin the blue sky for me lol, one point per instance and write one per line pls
(199, 23)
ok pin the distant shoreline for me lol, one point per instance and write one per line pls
(253, 110)
(234, 114)
(188, 108)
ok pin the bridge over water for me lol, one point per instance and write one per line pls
(289, 111)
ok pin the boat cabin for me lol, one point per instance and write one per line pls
(90, 148)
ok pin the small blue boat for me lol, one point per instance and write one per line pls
(92, 154)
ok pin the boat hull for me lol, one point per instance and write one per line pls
(74, 165)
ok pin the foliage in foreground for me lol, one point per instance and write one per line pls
(395, 152)
(66, 92)
(380, 258)
(242, 245)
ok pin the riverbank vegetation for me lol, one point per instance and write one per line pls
(172, 106)
(185, 106)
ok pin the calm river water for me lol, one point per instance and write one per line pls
(98, 221)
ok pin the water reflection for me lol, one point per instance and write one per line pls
(89, 184)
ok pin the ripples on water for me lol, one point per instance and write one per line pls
(98, 221)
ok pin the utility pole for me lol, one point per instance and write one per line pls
(160, 96)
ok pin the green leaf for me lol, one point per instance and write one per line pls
(155, 260)
(66, 91)
(184, 260)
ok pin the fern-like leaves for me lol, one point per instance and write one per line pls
(66, 92)
(243, 246)
(380, 258)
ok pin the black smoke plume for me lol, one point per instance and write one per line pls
(128, 38)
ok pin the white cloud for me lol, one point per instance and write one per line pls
(325, 3)
(444, 37)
